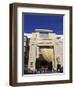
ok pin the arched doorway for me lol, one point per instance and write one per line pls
(44, 62)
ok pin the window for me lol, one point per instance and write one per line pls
(44, 35)
(25, 38)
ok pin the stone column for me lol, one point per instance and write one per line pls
(37, 52)
(32, 57)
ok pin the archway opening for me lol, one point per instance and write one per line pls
(44, 62)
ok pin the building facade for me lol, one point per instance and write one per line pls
(46, 46)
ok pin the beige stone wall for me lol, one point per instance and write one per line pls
(57, 52)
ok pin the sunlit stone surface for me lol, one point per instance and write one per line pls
(46, 44)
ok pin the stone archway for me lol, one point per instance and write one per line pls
(46, 58)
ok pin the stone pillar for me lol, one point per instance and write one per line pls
(37, 52)
(32, 52)
(55, 62)
(32, 57)
(55, 54)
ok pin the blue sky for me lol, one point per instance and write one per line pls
(52, 22)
